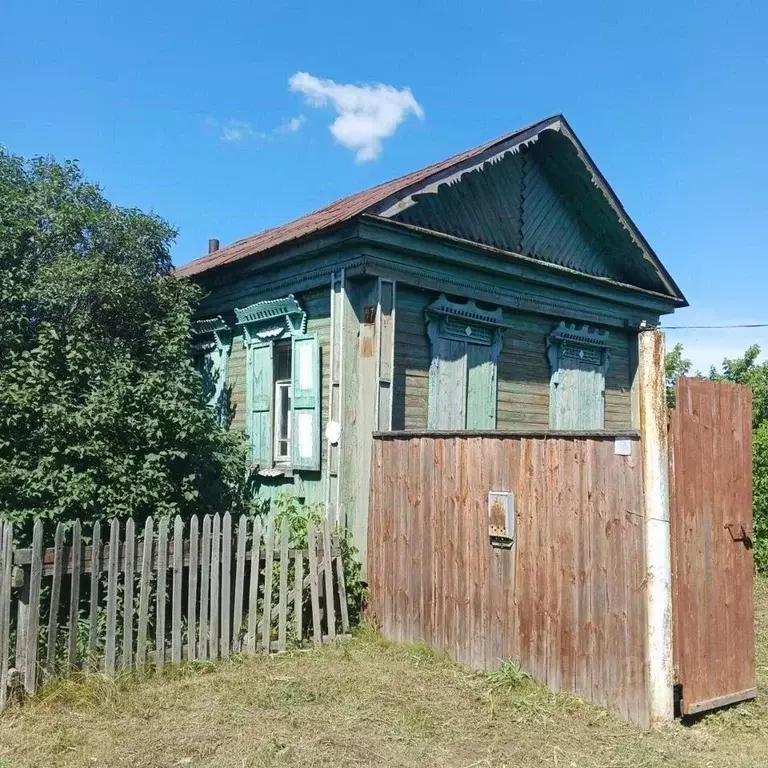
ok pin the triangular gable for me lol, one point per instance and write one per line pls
(535, 191)
(541, 198)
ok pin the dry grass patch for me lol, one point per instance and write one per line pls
(362, 703)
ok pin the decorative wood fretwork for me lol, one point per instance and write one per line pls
(273, 319)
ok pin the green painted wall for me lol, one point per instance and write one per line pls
(523, 372)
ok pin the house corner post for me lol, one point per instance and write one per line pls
(658, 557)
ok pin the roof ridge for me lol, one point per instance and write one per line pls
(340, 210)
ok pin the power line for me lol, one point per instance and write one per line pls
(712, 327)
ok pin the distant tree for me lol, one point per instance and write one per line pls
(101, 412)
(676, 365)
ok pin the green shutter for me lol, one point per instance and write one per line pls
(481, 387)
(305, 403)
(447, 385)
(260, 395)
(577, 400)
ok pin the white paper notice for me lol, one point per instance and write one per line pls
(304, 428)
(622, 447)
(306, 379)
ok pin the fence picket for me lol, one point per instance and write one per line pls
(298, 591)
(330, 612)
(74, 594)
(317, 635)
(162, 575)
(178, 575)
(253, 593)
(35, 577)
(53, 614)
(144, 589)
(205, 577)
(93, 613)
(194, 552)
(342, 587)
(226, 583)
(128, 569)
(269, 544)
(282, 600)
(6, 559)
(213, 640)
(109, 643)
(237, 620)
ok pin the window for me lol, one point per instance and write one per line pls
(282, 415)
(466, 342)
(211, 341)
(578, 360)
(283, 386)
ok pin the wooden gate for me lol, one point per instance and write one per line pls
(711, 528)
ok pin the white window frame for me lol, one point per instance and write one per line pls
(280, 458)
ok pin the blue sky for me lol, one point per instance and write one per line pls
(186, 109)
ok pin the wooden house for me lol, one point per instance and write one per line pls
(501, 289)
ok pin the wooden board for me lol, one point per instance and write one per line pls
(566, 599)
(712, 569)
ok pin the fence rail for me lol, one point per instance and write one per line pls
(105, 597)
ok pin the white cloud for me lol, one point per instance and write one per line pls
(233, 131)
(366, 114)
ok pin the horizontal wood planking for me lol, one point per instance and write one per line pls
(712, 573)
(567, 600)
(523, 372)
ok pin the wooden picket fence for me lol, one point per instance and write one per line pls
(106, 605)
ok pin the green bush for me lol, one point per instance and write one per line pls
(101, 412)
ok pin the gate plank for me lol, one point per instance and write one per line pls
(213, 627)
(298, 592)
(330, 612)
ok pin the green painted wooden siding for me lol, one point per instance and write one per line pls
(523, 370)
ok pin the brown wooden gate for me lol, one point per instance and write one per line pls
(711, 529)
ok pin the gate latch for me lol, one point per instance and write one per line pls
(739, 532)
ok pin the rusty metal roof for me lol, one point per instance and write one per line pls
(347, 208)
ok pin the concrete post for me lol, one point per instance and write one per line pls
(658, 558)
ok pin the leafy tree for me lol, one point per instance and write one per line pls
(676, 365)
(101, 412)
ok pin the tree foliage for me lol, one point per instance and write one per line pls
(676, 365)
(101, 412)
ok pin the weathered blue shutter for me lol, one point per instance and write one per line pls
(481, 387)
(447, 385)
(305, 403)
(577, 400)
(260, 397)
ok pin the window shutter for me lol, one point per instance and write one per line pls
(305, 403)
(260, 396)
(447, 385)
(481, 387)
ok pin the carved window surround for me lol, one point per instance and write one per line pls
(272, 320)
(585, 345)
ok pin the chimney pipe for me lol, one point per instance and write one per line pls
(213, 245)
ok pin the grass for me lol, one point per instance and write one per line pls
(362, 703)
